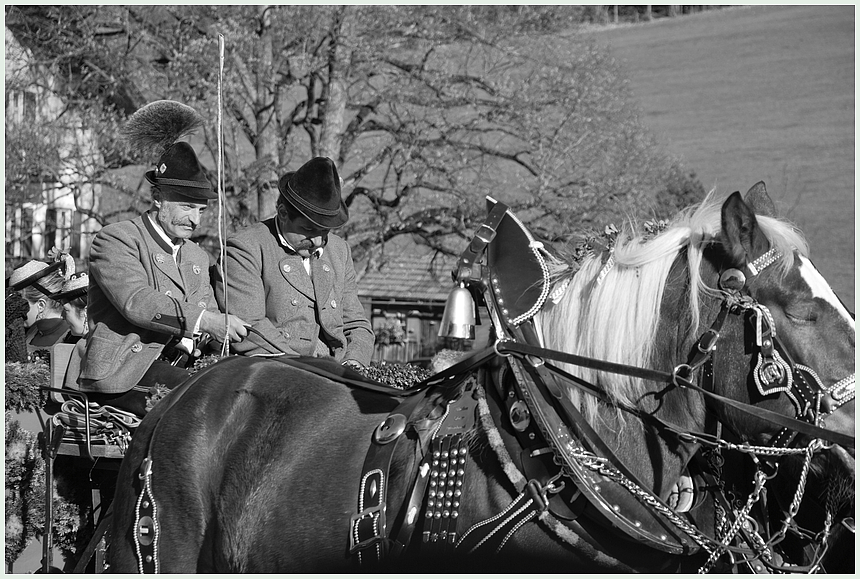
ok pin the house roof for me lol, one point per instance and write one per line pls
(408, 277)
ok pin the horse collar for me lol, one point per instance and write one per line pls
(518, 274)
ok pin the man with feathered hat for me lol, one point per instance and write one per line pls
(150, 297)
(293, 280)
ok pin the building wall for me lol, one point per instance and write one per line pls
(57, 212)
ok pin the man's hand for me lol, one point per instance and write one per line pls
(214, 324)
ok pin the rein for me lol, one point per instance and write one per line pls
(507, 347)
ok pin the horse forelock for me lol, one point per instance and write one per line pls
(618, 318)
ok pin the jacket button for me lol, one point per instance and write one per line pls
(168, 293)
(201, 304)
(333, 304)
(285, 334)
(326, 267)
(294, 302)
(136, 348)
(157, 316)
(287, 268)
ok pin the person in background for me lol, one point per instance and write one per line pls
(73, 297)
(293, 280)
(37, 281)
(150, 300)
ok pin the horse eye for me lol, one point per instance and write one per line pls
(802, 312)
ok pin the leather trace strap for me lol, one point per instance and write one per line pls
(509, 346)
(485, 234)
(369, 525)
(381, 529)
(146, 532)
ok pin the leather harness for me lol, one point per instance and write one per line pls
(528, 375)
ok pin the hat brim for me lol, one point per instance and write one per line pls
(323, 221)
(69, 295)
(19, 285)
(197, 193)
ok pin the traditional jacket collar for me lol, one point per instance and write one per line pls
(47, 331)
(158, 234)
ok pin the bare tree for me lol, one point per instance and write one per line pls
(426, 110)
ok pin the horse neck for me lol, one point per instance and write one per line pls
(657, 459)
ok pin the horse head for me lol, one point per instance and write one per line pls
(790, 349)
(726, 297)
(796, 337)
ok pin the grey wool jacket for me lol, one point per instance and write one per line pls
(139, 298)
(309, 315)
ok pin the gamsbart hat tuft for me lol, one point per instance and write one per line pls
(154, 131)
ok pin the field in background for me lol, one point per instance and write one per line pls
(763, 93)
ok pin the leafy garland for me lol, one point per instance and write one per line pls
(593, 242)
(394, 374)
(25, 473)
(22, 385)
(25, 470)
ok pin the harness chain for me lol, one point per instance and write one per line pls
(740, 521)
(765, 372)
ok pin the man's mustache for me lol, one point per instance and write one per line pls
(310, 245)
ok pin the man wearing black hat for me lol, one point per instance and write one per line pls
(149, 290)
(293, 280)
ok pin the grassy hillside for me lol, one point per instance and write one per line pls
(759, 93)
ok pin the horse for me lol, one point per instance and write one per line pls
(573, 442)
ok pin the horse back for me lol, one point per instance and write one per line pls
(246, 452)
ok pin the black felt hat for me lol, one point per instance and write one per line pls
(178, 171)
(314, 190)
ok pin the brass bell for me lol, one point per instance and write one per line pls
(458, 319)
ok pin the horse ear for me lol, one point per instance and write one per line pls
(742, 237)
(760, 202)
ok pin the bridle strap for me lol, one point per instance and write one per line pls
(509, 346)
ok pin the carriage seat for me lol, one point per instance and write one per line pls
(65, 369)
(83, 426)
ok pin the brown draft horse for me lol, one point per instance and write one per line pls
(254, 465)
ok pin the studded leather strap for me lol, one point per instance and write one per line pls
(368, 528)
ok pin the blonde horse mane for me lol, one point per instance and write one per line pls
(612, 312)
